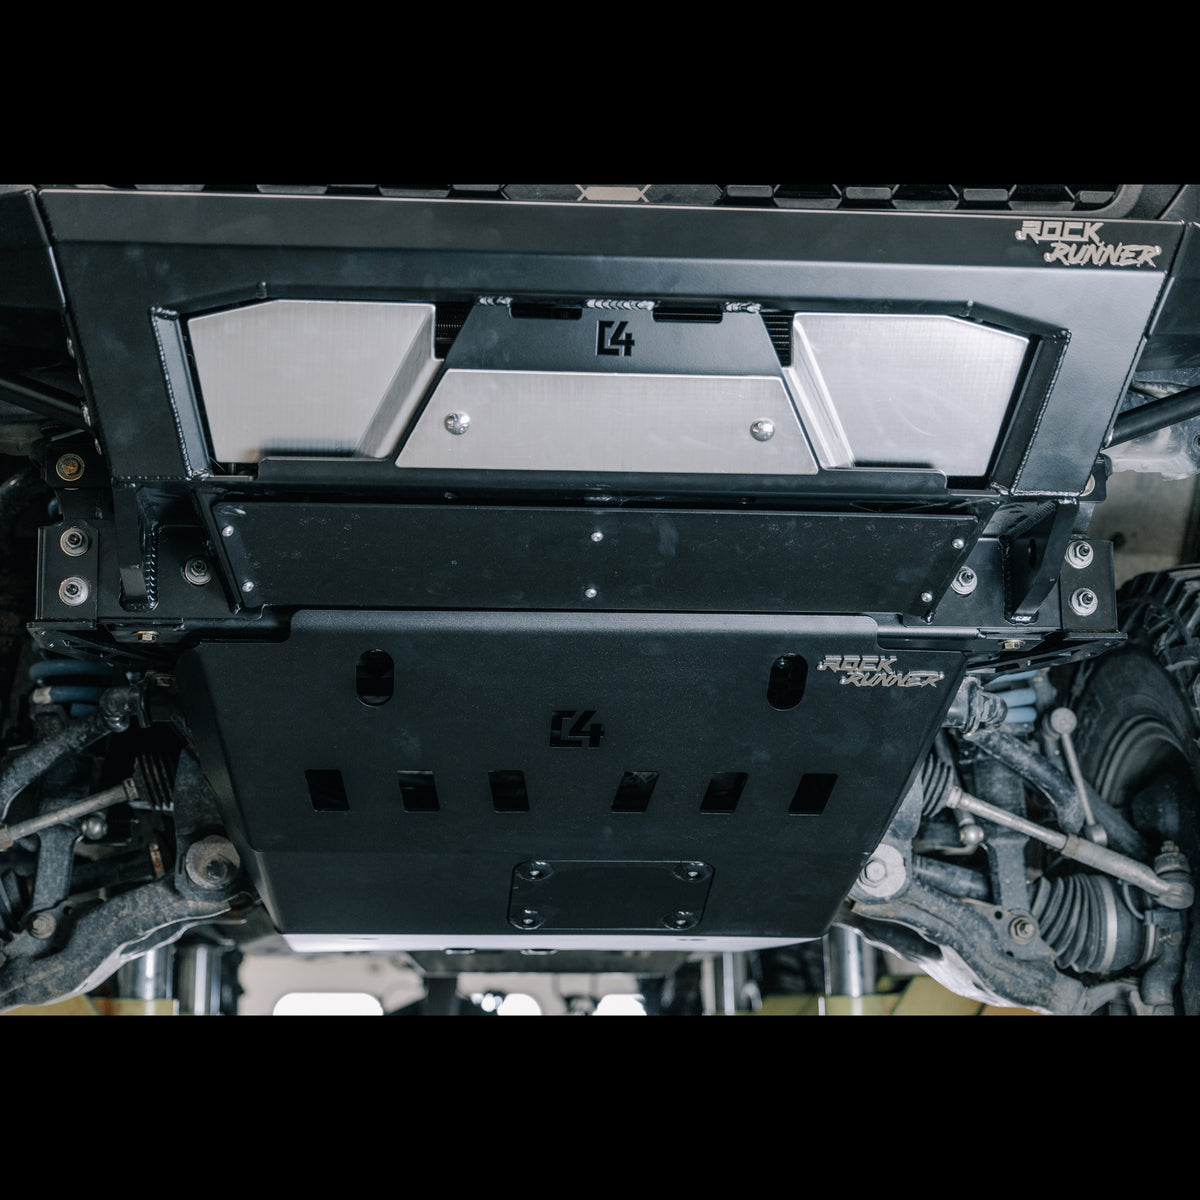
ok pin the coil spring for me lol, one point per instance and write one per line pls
(1089, 926)
(1021, 701)
(75, 683)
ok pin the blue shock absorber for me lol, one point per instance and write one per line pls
(75, 683)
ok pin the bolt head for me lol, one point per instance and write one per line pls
(1022, 929)
(965, 581)
(43, 926)
(74, 541)
(69, 467)
(73, 590)
(680, 920)
(875, 871)
(762, 431)
(926, 597)
(248, 586)
(458, 422)
(1084, 602)
(597, 536)
(212, 862)
(1079, 554)
(218, 870)
(958, 544)
(197, 571)
(590, 593)
(227, 531)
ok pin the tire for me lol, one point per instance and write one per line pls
(1138, 738)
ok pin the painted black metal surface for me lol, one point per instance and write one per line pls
(123, 255)
(421, 556)
(781, 803)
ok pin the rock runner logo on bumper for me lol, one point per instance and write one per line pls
(875, 670)
(1078, 242)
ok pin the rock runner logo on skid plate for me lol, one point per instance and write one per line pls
(1078, 243)
(875, 670)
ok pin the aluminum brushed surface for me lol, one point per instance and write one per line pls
(312, 376)
(587, 421)
(914, 390)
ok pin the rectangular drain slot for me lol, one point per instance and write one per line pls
(812, 795)
(508, 791)
(634, 790)
(724, 791)
(418, 792)
(327, 791)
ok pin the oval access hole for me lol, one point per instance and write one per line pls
(375, 677)
(785, 685)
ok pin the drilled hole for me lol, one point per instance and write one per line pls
(375, 678)
(634, 790)
(785, 684)
(508, 791)
(327, 791)
(418, 792)
(724, 791)
(812, 795)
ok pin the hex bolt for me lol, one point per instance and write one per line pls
(762, 431)
(537, 871)
(248, 586)
(227, 531)
(1079, 554)
(965, 582)
(458, 422)
(1022, 929)
(926, 597)
(197, 571)
(43, 926)
(69, 468)
(73, 590)
(597, 536)
(958, 544)
(212, 862)
(218, 871)
(680, 920)
(530, 918)
(590, 593)
(875, 871)
(1084, 602)
(74, 541)
(692, 872)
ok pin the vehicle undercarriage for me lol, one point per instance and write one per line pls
(604, 577)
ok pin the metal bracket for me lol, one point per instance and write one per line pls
(1033, 556)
